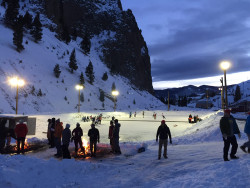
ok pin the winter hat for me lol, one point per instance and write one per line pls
(67, 125)
(78, 124)
(163, 122)
(227, 111)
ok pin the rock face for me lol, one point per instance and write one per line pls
(125, 52)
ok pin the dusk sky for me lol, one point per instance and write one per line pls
(188, 39)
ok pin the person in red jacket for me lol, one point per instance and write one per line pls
(21, 131)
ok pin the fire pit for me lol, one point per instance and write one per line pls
(12, 149)
(102, 151)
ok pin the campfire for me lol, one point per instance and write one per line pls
(26, 146)
(12, 149)
(85, 153)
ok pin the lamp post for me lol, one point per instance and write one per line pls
(16, 82)
(224, 66)
(222, 93)
(115, 93)
(79, 88)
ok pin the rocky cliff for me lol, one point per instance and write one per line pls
(125, 52)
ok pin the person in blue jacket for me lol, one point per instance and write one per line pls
(247, 131)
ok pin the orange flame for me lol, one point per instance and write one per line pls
(26, 145)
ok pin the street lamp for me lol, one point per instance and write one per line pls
(79, 87)
(224, 66)
(16, 82)
(115, 93)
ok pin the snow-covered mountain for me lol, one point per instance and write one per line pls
(207, 94)
(35, 65)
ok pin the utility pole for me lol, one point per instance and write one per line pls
(168, 100)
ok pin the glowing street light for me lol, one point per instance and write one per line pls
(115, 93)
(16, 82)
(224, 66)
(79, 87)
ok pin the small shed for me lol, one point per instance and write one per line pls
(12, 121)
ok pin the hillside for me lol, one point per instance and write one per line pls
(36, 62)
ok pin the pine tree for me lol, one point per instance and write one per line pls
(113, 86)
(82, 97)
(86, 44)
(36, 30)
(18, 34)
(65, 35)
(3, 4)
(237, 95)
(27, 20)
(82, 81)
(101, 95)
(11, 13)
(105, 76)
(90, 73)
(72, 61)
(57, 71)
(134, 101)
(39, 94)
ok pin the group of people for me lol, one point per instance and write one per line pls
(60, 138)
(229, 128)
(19, 133)
(94, 119)
(196, 118)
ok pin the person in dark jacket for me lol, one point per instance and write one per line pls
(3, 135)
(66, 135)
(77, 137)
(21, 131)
(229, 127)
(247, 131)
(52, 132)
(94, 137)
(48, 131)
(116, 132)
(163, 133)
(111, 129)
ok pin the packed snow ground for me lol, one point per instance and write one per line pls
(194, 159)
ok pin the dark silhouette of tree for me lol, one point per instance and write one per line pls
(113, 86)
(81, 97)
(39, 94)
(72, 61)
(11, 13)
(82, 81)
(3, 4)
(237, 95)
(86, 44)
(105, 76)
(36, 30)
(90, 73)
(134, 101)
(18, 34)
(101, 95)
(27, 20)
(57, 70)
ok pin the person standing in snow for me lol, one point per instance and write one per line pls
(94, 137)
(77, 134)
(247, 131)
(3, 135)
(163, 133)
(49, 131)
(58, 137)
(21, 131)
(116, 137)
(66, 135)
(111, 129)
(143, 114)
(229, 127)
(52, 132)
